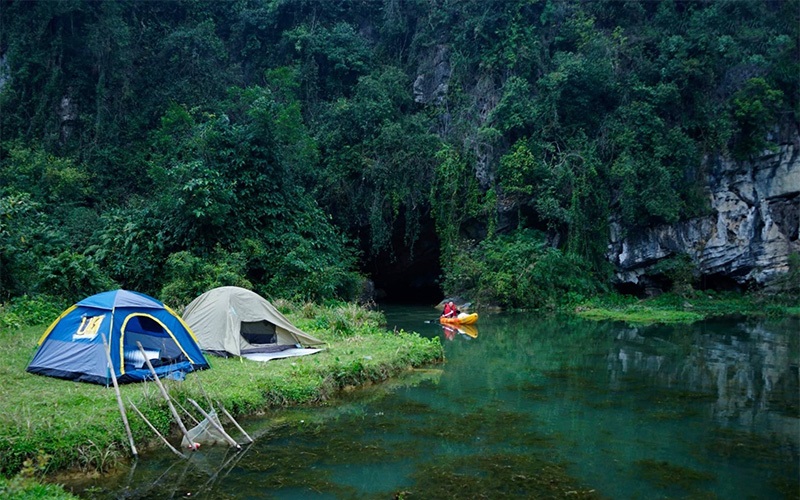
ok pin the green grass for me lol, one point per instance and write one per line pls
(23, 488)
(640, 316)
(676, 308)
(47, 424)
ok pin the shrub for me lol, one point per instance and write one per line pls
(72, 276)
(188, 276)
(519, 271)
(25, 488)
(29, 311)
(680, 271)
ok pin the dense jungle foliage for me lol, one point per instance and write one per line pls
(172, 146)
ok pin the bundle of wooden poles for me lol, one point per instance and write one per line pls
(191, 444)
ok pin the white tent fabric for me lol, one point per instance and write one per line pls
(236, 320)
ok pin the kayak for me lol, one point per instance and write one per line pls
(463, 320)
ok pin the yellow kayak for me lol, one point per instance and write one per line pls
(463, 320)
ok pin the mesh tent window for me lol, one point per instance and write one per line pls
(154, 339)
(259, 332)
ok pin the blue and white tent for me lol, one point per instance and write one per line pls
(72, 347)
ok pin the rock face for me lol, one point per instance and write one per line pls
(4, 71)
(433, 78)
(747, 239)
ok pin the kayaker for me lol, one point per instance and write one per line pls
(450, 310)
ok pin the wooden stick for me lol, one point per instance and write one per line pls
(215, 424)
(234, 422)
(211, 405)
(172, 409)
(208, 399)
(187, 413)
(156, 431)
(107, 350)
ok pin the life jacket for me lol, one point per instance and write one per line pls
(449, 311)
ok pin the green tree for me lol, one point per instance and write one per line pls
(520, 270)
(755, 108)
(131, 244)
(377, 162)
(235, 184)
(187, 276)
(455, 199)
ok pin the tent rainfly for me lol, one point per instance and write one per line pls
(234, 321)
(72, 347)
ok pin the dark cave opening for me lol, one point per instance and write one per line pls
(408, 275)
(719, 282)
(407, 288)
(652, 285)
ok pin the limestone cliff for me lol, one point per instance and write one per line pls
(747, 238)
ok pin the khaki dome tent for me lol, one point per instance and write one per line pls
(234, 321)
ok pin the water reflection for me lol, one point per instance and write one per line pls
(203, 471)
(450, 332)
(532, 407)
(750, 371)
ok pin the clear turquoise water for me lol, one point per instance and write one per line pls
(528, 407)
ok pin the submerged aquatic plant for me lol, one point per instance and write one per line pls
(666, 475)
(729, 443)
(496, 475)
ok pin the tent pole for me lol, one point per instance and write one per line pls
(216, 425)
(107, 350)
(175, 415)
(234, 422)
(156, 431)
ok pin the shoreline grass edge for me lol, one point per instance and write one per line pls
(49, 425)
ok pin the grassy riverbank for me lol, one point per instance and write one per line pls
(686, 308)
(48, 424)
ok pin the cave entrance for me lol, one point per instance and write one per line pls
(407, 276)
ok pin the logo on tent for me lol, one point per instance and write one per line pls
(88, 327)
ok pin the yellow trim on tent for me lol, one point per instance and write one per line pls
(182, 322)
(121, 351)
(122, 339)
(53, 325)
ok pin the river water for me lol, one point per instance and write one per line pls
(527, 407)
